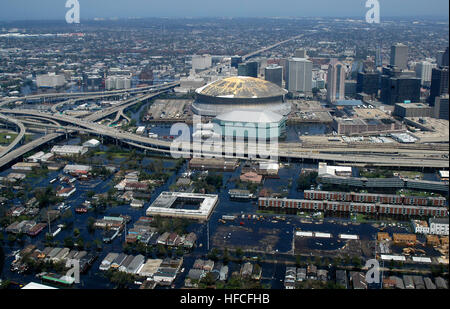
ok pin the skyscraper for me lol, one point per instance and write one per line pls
(439, 83)
(274, 74)
(368, 83)
(336, 81)
(442, 58)
(299, 75)
(399, 56)
(248, 69)
(399, 89)
(300, 53)
(441, 107)
(423, 71)
(235, 60)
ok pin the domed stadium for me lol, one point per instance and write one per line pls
(240, 93)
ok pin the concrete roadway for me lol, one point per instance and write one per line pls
(19, 137)
(80, 94)
(373, 156)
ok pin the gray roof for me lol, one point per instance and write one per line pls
(429, 284)
(195, 274)
(441, 283)
(249, 116)
(439, 220)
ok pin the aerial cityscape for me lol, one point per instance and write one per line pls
(202, 153)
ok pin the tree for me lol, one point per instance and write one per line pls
(213, 254)
(76, 232)
(68, 242)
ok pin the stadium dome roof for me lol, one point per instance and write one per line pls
(241, 87)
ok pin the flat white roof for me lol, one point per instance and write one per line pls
(347, 236)
(443, 174)
(386, 257)
(304, 234)
(322, 235)
(421, 259)
(205, 209)
(37, 286)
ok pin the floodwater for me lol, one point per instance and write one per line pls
(272, 273)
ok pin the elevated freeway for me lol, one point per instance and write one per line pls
(71, 95)
(369, 156)
(18, 139)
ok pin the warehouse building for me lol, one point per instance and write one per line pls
(184, 205)
(404, 110)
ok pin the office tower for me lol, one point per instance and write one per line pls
(399, 89)
(300, 53)
(442, 58)
(252, 68)
(50, 80)
(368, 83)
(439, 83)
(299, 75)
(441, 107)
(201, 62)
(274, 74)
(235, 60)
(445, 59)
(423, 71)
(336, 81)
(399, 56)
(350, 88)
(242, 69)
(379, 57)
(248, 69)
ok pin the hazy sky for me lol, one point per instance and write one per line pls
(55, 9)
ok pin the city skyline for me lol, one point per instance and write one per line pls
(54, 10)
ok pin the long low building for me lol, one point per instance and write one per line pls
(374, 198)
(394, 182)
(68, 150)
(183, 205)
(339, 206)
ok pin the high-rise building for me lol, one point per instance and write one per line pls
(300, 53)
(50, 80)
(378, 57)
(442, 58)
(274, 74)
(235, 60)
(248, 69)
(201, 62)
(336, 81)
(399, 56)
(350, 88)
(117, 82)
(399, 89)
(439, 83)
(253, 68)
(299, 75)
(368, 83)
(423, 71)
(441, 107)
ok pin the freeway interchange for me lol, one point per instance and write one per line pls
(406, 156)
